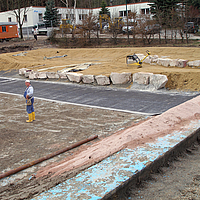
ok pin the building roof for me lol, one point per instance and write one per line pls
(7, 23)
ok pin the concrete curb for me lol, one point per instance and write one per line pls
(125, 167)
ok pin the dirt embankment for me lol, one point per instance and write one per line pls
(109, 60)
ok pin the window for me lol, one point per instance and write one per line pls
(123, 13)
(82, 16)
(40, 17)
(143, 11)
(9, 19)
(67, 16)
(3, 28)
(25, 18)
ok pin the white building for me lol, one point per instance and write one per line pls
(120, 10)
(35, 15)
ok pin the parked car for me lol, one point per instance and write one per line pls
(153, 29)
(191, 27)
(130, 29)
(40, 28)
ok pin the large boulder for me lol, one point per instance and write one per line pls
(120, 78)
(22, 71)
(102, 80)
(27, 73)
(42, 75)
(158, 81)
(195, 63)
(74, 77)
(88, 79)
(62, 75)
(140, 56)
(182, 63)
(154, 58)
(164, 62)
(142, 78)
(52, 75)
(33, 75)
(173, 63)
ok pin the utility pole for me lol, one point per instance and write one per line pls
(127, 21)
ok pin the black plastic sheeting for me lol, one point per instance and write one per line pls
(106, 97)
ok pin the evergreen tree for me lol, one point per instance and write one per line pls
(162, 9)
(104, 10)
(194, 3)
(51, 14)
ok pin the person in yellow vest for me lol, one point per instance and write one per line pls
(28, 95)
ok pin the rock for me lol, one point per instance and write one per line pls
(182, 63)
(26, 75)
(52, 75)
(158, 81)
(142, 78)
(164, 62)
(22, 71)
(122, 78)
(140, 56)
(154, 58)
(74, 77)
(62, 75)
(147, 60)
(195, 63)
(88, 78)
(173, 63)
(42, 75)
(102, 80)
(33, 75)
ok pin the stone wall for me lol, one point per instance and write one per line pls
(158, 81)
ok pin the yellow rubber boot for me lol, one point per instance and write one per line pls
(30, 119)
(33, 116)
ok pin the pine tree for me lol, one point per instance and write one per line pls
(51, 14)
(162, 9)
(104, 10)
(194, 3)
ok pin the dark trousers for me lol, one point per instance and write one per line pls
(35, 36)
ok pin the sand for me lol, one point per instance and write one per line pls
(108, 60)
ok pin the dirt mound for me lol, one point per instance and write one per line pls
(109, 60)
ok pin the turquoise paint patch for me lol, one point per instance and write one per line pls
(100, 179)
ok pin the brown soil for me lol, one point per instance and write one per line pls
(110, 60)
(62, 125)
(55, 128)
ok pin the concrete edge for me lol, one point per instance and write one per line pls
(156, 164)
(124, 168)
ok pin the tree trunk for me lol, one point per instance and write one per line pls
(20, 28)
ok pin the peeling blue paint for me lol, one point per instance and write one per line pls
(100, 179)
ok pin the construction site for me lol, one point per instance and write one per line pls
(107, 120)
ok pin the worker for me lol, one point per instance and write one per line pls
(28, 95)
(35, 33)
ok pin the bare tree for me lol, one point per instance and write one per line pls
(146, 28)
(132, 18)
(74, 18)
(89, 25)
(66, 3)
(19, 11)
